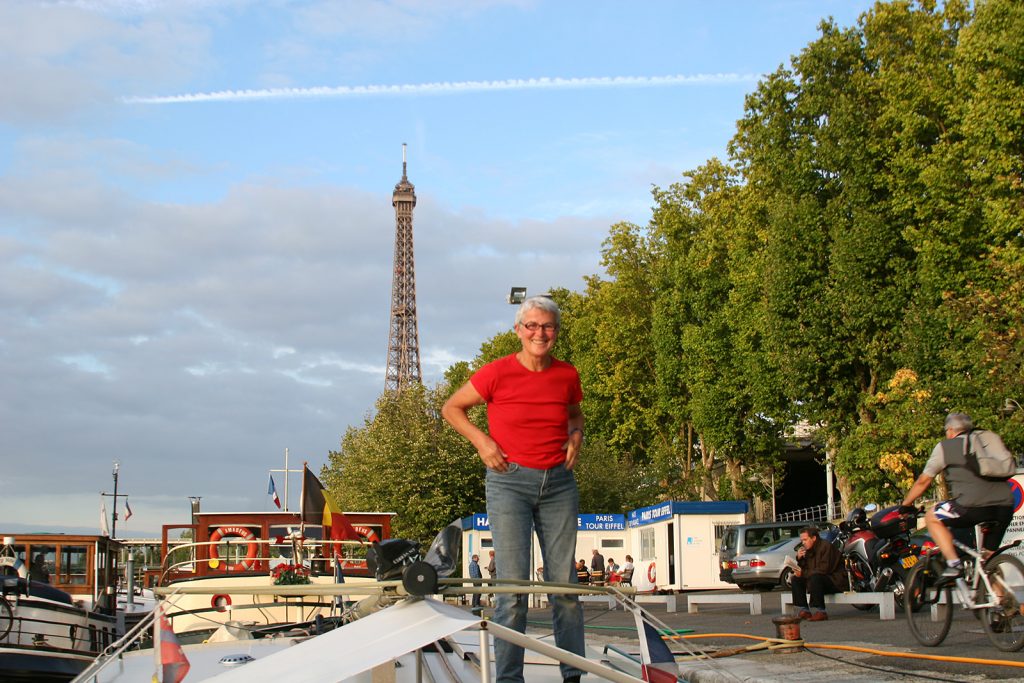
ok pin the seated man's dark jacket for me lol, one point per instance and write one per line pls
(823, 558)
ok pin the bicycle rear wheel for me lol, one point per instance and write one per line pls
(1004, 625)
(929, 609)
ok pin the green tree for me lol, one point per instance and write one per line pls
(405, 459)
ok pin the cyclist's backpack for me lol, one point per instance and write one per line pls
(988, 457)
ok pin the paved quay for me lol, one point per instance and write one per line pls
(847, 627)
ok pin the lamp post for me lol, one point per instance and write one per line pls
(517, 295)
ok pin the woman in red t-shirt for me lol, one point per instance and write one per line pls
(535, 429)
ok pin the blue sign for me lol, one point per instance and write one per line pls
(601, 522)
(656, 513)
(583, 522)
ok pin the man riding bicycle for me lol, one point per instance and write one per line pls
(975, 500)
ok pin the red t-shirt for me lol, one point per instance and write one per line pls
(528, 412)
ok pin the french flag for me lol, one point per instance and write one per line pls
(658, 664)
(272, 491)
(172, 663)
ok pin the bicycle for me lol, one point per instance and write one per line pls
(995, 595)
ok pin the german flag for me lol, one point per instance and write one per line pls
(319, 507)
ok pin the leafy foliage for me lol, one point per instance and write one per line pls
(856, 264)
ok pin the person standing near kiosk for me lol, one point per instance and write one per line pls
(535, 430)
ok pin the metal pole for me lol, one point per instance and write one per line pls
(129, 579)
(830, 513)
(113, 524)
(485, 656)
(286, 480)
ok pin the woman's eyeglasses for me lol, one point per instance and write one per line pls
(533, 327)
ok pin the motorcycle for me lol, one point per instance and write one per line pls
(878, 552)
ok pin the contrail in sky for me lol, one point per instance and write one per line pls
(446, 88)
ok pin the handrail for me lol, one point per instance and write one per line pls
(113, 651)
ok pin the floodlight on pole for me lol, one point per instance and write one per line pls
(517, 295)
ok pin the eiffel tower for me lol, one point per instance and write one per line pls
(403, 340)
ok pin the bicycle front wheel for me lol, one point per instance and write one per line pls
(929, 609)
(1004, 624)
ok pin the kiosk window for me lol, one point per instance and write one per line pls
(647, 544)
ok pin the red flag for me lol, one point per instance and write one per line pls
(173, 662)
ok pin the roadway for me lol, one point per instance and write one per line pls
(846, 627)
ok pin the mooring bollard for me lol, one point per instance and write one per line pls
(787, 628)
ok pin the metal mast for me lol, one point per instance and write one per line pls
(403, 340)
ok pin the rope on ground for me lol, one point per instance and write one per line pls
(780, 642)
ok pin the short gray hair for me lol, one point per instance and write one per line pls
(544, 303)
(959, 422)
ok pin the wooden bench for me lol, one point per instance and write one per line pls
(752, 600)
(886, 601)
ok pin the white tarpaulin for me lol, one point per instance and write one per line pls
(358, 646)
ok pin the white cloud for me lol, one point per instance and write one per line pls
(448, 88)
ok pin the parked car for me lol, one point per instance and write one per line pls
(766, 568)
(745, 538)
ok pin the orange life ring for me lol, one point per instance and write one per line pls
(366, 532)
(651, 573)
(252, 551)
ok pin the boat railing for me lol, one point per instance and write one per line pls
(20, 629)
(116, 650)
(199, 552)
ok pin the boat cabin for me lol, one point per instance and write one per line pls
(240, 543)
(81, 565)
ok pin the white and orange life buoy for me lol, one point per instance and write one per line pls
(252, 551)
(366, 532)
(15, 563)
(652, 574)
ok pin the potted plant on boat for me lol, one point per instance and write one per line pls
(290, 575)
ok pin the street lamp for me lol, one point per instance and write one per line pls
(517, 295)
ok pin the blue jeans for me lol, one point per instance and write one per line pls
(520, 501)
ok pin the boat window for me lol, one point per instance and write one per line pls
(73, 564)
(44, 563)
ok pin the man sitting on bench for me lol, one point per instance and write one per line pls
(821, 572)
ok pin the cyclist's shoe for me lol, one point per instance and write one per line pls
(949, 575)
(1000, 623)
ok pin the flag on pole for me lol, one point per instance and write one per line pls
(172, 665)
(127, 510)
(104, 527)
(319, 507)
(272, 491)
(658, 664)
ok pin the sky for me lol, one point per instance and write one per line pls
(196, 230)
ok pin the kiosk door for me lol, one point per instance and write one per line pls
(671, 554)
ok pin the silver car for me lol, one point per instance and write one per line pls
(765, 568)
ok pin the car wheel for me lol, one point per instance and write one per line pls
(786, 579)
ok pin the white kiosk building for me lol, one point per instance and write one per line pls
(677, 543)
(674, 544)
